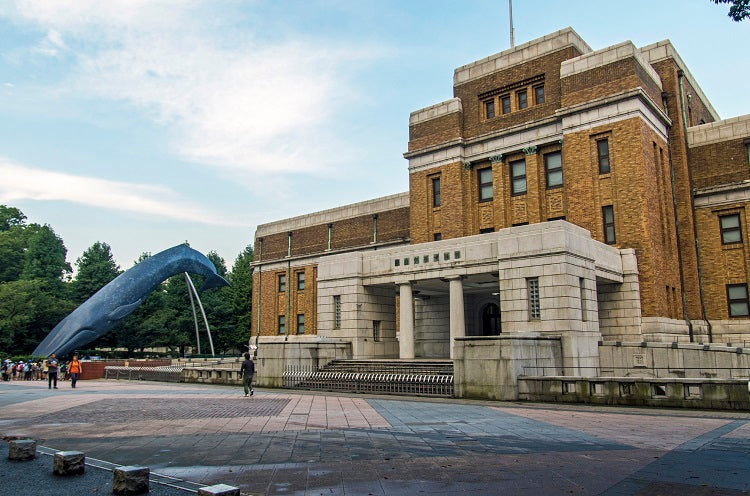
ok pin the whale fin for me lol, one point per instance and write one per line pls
(124, 310)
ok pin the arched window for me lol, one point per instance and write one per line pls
(491, 320)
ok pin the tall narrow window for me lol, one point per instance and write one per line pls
(435, 192)
(602, 151)
(534, 310)
(518, 177)
(523, 99)
(731, 231)
(485, 184)
(300, 323)
(376, 330)
(489, 109)
(375, 228)
(582, 288)
(538, 95)
(337, 311)
(737, 300)
(282, 283)
(553, 166)
(330, 235)
(282, 324)
(505, 101)
(300, 281)
(608, 217)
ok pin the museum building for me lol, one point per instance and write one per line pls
(562, 192)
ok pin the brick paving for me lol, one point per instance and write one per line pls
(283, 442)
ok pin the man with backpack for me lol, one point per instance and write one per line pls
(52, 366)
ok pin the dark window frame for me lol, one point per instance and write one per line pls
(482, 185)
(609, 224)
(506, 109)
(437, 237)
(537, 100)
(603, 159)
(300, 281)
(730, 230)
(514, 177)
(548, 170)
(744, 301)
(436, 192)
(522, 103)
(300, 323)
(282, 283)
(337, 311)
(534, 298)
(281, 324)
(489, 109)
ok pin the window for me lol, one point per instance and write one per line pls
(538, 95)
(582, 288)
(282, 283)
(737, 300)
(437, 237)
(533, 286)
(300, 323)
(435, 192)
(485, 184)
(489, 109)
(523, 99)
(602, 151)
(282, 324)
(487, 230)
(376, 330)
(337, 311)
(553, 166)
(731, 231)
(518, 177)
(300, 281)
(505, 101)
(608, 217)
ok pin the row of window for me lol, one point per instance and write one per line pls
(300, 324)
(504, 101)
(300, 282)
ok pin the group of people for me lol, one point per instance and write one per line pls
(40, 370)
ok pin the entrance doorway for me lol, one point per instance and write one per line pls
(491, 325)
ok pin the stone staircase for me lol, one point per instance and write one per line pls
(421, 377)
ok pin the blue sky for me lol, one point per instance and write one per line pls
(146, 123)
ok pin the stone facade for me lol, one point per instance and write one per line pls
(557, 196)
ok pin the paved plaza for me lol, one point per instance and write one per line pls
(295, 443)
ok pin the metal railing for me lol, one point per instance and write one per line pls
(640, 372)
(300, 377)
(167, 373)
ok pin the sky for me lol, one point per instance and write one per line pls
(148, 123)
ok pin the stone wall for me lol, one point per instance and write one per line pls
(276, 358)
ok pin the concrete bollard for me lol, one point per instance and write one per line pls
(22, 449)
(130, 480)
(68, 463)
(219, 490)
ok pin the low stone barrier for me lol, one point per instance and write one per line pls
(22, 450)
(130, 480)
(219, 490)
(69, 463)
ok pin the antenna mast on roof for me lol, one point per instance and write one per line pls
(510, 7)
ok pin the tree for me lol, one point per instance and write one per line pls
(11, 217)
(96, 268)
(739, 9)
(45, 256)
(241, 279)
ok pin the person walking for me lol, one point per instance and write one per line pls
(52, 366)
(74, 369)
(247, 370)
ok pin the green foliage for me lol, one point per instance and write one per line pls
(11, 217)
(45, 256)
(241, 279)
(96, 268)
(738, 10)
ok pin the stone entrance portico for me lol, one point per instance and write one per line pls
(543, 277)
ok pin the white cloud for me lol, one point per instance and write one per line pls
(19, 182)
(227, 99)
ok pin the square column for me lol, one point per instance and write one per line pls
(457, 320)
(406, 321)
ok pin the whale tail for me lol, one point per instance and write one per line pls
(214, 281)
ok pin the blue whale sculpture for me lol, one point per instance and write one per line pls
(118, 299)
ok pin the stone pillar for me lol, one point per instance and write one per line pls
(457, 320)
(406, 321)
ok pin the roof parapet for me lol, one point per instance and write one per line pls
(608, 55)
(435, 111)
(519, 54)
(716, 132)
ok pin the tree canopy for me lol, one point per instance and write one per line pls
(738, 10)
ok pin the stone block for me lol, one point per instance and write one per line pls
(22, 450)
(219, 490)
(69, 463)
(130, 480)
